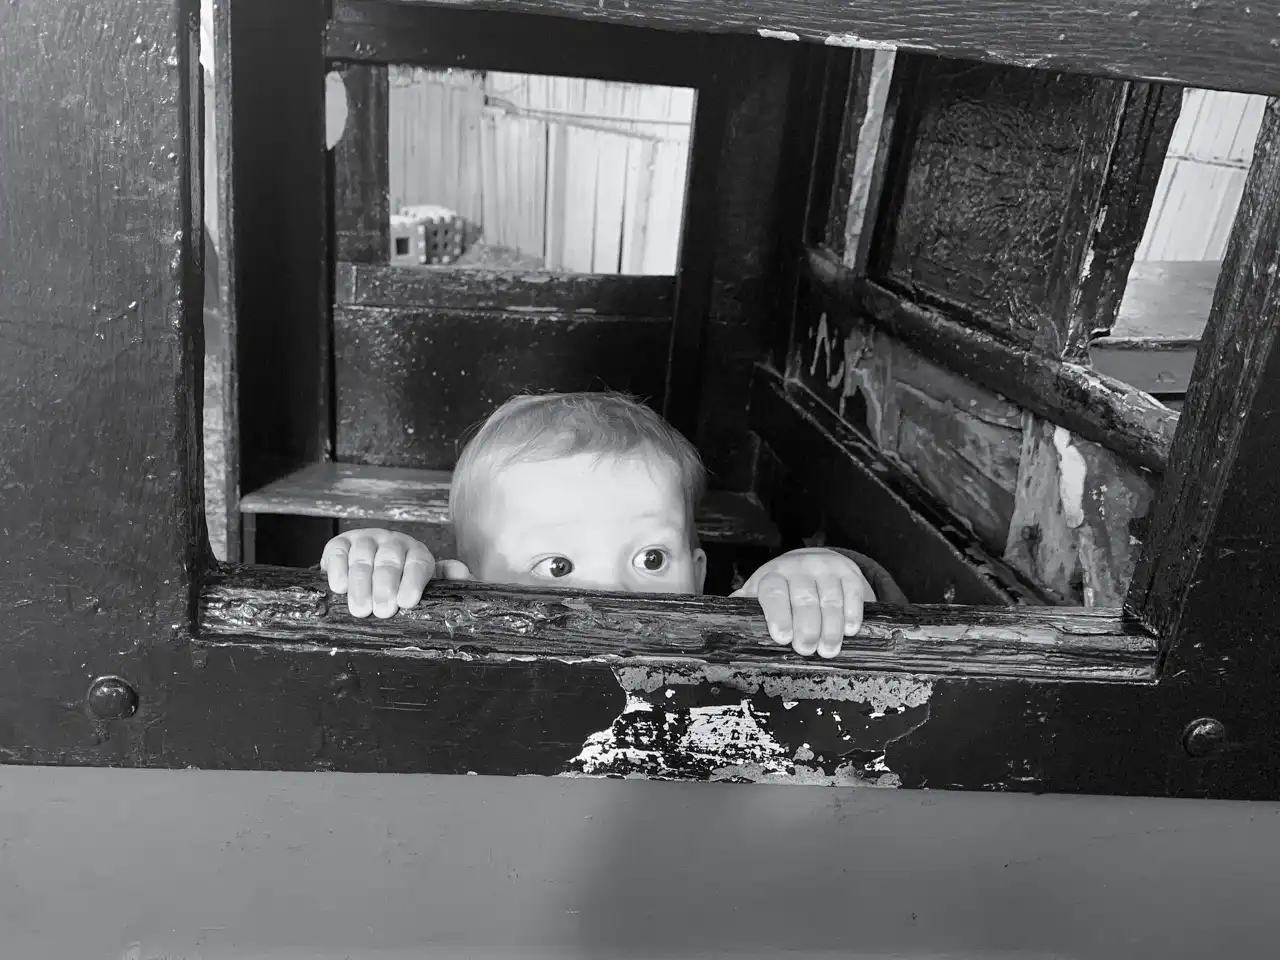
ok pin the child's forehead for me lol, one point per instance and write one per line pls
(591, 477)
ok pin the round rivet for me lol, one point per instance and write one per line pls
(1204, 737)
(110, 698)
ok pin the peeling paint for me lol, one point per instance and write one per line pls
(1071, 477)
(853, 40)
(724, 742)
(880, 692)
(777, 34)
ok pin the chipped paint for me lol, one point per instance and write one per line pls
(880, 692)
(777, 34)
(722, 742)
(1071, 477)
(853, 40)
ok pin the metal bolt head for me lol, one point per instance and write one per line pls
(1204, 737)
(110, 698)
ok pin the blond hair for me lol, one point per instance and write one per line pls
(532, 428)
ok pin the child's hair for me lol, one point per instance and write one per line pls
(547, 426)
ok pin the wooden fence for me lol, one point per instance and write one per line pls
(576, 175)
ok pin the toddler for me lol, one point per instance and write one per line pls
(595, 491)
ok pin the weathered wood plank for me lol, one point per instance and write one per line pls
(875, 506)
(1097, 408)
(350, 491)
(450, 288)
(387, 32)
(1019, 198)
(1215, 530)
(1172, 41)
(361, 176)
(411, 383)
(100, 358)
(481, 622)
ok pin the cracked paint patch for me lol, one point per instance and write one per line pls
(1071, 477)
(727, 743)
(777, 34)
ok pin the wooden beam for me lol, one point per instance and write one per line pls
(1207, 575)
(361, 177)
(352, 491)
(1222, 47)
(500, 624)
(389, 32)
(876, 506)
(449, 288)
(1108, 412)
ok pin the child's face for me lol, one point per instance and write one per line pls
(607, 524)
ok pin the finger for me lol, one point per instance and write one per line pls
(334, 563)
(388, 567)
(856, 593)
(806, 615)
(452, 570)
(360, 575)
(419, 568)
(831, 604)
(776, 602)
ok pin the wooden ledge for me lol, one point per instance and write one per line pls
(349, 491)
(481, 622)
(1116, 415)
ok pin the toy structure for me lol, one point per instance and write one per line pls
(892, 274)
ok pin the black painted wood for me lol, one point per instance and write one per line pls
(279, 225)
(387, 31)
(875, 507)
(450, 288)
(1172, 41)
(361, 194)
(484, 623)
(1216, 520)
(411, 383)
(1108, 412)
(1018, 198)
(100, 359)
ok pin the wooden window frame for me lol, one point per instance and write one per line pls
(157, 656)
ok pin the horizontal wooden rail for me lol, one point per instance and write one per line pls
(1222, 46)
(385, 31)
(451, 288)
(474, 621)
(1114, 414)
(353, 491)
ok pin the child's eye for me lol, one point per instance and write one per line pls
(554, 567)
(652, 560)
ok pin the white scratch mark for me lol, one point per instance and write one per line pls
(777, 34)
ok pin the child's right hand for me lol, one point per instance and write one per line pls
(382, 572)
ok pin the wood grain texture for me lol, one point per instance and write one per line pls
(1078, 515)
(388, 32)
(1106, 411)
(1175, 41)
(1017, 198)
(100, 357)
(361, 195)
(410, 383)
(351, 491)
(450, 288)
(1214, 522)
(479, 622)
(875, 507)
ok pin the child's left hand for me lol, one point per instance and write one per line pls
(812, 599)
